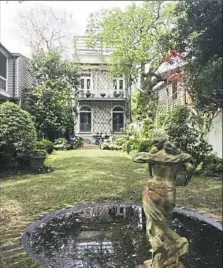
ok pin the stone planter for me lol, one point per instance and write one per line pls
(102, 95)
(37, 161)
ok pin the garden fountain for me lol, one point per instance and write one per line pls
(116, 235)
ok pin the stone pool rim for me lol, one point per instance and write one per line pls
(33, 226)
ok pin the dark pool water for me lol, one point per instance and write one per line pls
(106, 236)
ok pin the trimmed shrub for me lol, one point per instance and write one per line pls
(110, 146)
(61, 144)
(17, 133)
(46, 145)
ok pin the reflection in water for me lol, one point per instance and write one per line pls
(114, 236)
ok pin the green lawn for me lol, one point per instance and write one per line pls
(83, 176)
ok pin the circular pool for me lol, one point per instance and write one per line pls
(114, 235)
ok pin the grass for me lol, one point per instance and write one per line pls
(85, 176)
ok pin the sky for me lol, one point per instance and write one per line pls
(9, 31)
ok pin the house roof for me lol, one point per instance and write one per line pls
(5, 49)
(165, 66)
(10, 53)
(171, 67)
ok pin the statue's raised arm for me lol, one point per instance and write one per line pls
(142, 157)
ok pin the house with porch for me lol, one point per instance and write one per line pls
(14, 76)
(103, 101)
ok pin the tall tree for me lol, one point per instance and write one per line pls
(50, 100)
(137, 34)
(200, 33)
(44, 28)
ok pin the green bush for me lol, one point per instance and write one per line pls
(110, 146)
(46, 145)
(78, 143)
(61, 144)
(120, 141)
(17, 133)
(38, 152)
(126, 137)
(131, 145)
(185, 131)
(145, 146)
(211, 166)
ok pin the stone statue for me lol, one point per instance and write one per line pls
(159, 197)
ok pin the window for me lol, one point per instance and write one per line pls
(88, 83)
(118, 84)
(85, 81)
(2, 84)
(115, 84)
(82, 83)
(3, 71)
(121, 210)
(174, 90)
(117, 119)
(3, 65)
(85, 119)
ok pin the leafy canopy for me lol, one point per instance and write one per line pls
(136, 34)
(200, 33)
(50, 99)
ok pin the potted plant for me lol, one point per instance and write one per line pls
(88, 94)
(116, 95)
(37, 158)
(102, 95)
(121, 94)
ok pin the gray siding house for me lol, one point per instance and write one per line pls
(103, 103)
(14, 76)
(172, 93)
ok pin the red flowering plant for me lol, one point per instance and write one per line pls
(174, 60)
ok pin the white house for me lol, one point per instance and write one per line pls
(103, 103)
